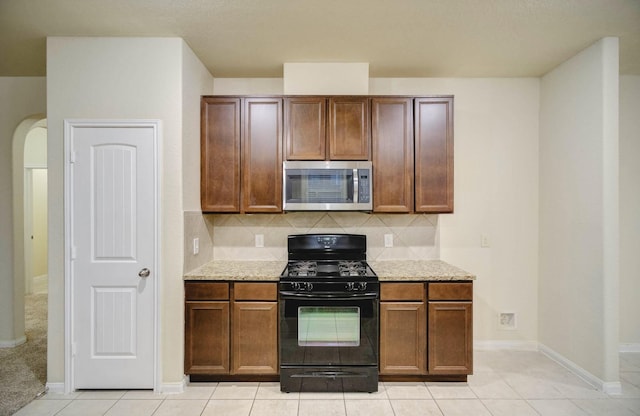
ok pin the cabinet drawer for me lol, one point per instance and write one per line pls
(451, 291)
(255, 291)
(402, 291)
(206, 291)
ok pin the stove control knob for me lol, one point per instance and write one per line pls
(350, 286)
(362, 286)
(308, 286)
(295, 285)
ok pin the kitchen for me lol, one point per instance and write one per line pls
(503, 166)
(500, 152)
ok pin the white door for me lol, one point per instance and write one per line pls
(113, 254)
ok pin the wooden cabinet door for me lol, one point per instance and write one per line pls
(450, 338)
(262, 155)
(349, 120)
(305, 128)
(220, 154)
(255, 338)
(433, 154)
(392, 153)
(206, 338)
(403, 338)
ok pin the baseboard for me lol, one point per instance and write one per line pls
(612, 387)
(14, 342)
(629, 347)
(493, 345)
(174, 388)
(57, 388)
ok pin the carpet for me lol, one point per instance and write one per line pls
(23, 369)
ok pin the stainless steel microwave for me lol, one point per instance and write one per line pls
(326, 186)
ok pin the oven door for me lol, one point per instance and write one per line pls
(331, 331)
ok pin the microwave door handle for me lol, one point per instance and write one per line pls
(356, 191)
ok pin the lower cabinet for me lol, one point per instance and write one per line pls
(449, 336)
(426, 329)
(403, 329)
(231, 329)
(450, 328)
(255, 338)
(206, 338)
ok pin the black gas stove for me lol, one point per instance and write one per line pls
(329, 302)
(328, 264)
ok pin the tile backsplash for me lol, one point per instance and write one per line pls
(415, 236)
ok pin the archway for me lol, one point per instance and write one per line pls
(19, 139)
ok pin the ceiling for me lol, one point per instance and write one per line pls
(398, 38)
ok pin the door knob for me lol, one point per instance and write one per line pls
(144, 273)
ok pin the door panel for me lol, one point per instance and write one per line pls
(113, 239)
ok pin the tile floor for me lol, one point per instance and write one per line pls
(505, 383)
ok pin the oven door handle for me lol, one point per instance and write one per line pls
(330, 374)
(332, 296)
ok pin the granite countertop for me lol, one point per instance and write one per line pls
(390, 270)
(238, 270)
(418, 270)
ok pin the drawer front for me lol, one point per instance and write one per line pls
(451, 291)
(402, 291)
(255, 291)
(206, 291)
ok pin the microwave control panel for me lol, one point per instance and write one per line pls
(364, 186)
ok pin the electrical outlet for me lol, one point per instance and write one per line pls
(507, 320)
(388, 240)
(196, 246)
(259, 240)
(484, 241)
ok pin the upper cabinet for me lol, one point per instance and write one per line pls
(327, 128)
(392, 153)
(262, 155)
(349, 137)
(408, 139)
(305, 120)
(241, 154)
(433, 118)
(220, 154)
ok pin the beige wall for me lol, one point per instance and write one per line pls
(578, 210)
(35, 148)
(20, 97)
(123, 78)
(629, 209)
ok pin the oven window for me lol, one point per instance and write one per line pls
(321, 326)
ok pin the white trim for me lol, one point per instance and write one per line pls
(69, 125)
(35, 166)
(612, 388)
(609, 387)
(505, 345)
(174, 388)
(629, 347)
(56, 388)
(14, 342)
